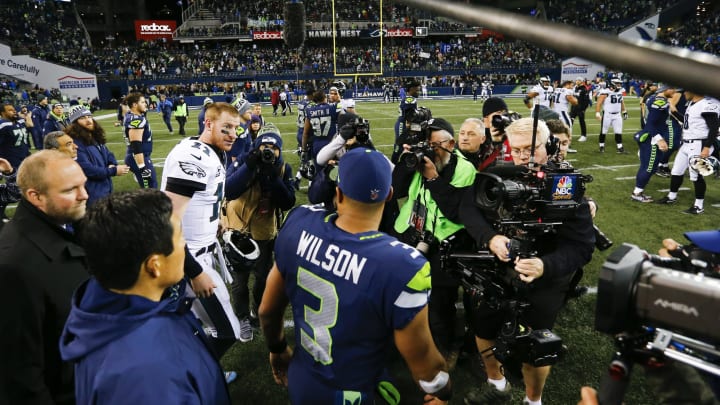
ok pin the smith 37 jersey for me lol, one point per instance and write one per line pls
(613, 101)
(348, 292)
(196, 170)
(545, 96)
(323, 120)
(135, 121)
(561, 102)
(695, 126)
(14, 141)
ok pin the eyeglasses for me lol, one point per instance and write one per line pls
(437, 144)
(524, 151)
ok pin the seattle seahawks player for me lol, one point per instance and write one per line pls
(301, 106)
(653, 140)
(337, 95)
(333, 270)
(138, 138)
(542, 93)
(194, 179)
(320, 126)
(564, 97)
(611, 101)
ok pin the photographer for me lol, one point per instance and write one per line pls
(496, 118)
(255, 210)
(547, 275)
(408, 104)
(432, 176)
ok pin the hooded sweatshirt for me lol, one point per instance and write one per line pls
(131, 350)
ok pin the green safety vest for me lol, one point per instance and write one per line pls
(181, 110)
(435, 221)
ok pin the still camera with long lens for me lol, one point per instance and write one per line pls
(659, 308)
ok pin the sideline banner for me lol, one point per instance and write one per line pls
(578, 67)
(72, 83)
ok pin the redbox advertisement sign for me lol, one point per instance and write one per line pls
(149, 30)
(262, 35)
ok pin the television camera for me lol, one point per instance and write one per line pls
(496, 284)
(658, 308)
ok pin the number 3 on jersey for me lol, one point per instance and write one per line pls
(320, 320)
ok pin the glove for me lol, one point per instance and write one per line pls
(146, 175)
(625, 115)
(252, 159)
(304, 157)
(347, 131)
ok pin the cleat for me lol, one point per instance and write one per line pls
(666, 201)
(582, 139)
(694, 210)
(621, 150)
(641, 197)
(602, 149)
(246, 330)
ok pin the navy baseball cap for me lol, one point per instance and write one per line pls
(706, 240)
(365, 175)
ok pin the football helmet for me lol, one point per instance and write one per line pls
(241, 251)
(615, 84)
(544, 82)
(705, 166)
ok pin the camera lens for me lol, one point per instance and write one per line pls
(267, 156)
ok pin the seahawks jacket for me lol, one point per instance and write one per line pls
(130, 350)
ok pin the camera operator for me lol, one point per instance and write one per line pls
(547, 274)
(408, 104)
(256, 211)
(496, 118)
(432, 176)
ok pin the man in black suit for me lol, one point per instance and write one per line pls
(40, 267)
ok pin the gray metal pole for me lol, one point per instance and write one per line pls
(695, 71)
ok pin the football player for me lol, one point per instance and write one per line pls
(610, 100)
(700, 130)
(564, 97)
(653, 140)
(320, 126)
(138, 138)
(332, 363)
(337, 94)
(542, 93)
(194, 179)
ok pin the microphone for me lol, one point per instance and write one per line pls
(294, 31)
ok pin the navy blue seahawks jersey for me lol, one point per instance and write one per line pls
(323, 120)
(348, 292)
(658, 110)
(134, 121)
(14, 143)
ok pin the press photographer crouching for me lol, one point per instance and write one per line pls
(432, 176)
(255, 211)
(533, 218)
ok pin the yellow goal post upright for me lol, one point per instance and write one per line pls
(356, 74)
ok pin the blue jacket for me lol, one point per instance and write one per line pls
(130, 350)
(165, 107)
(95, 161)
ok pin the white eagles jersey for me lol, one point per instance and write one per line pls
(544, 96)
(613, 101)
(561, 101)
(347, 103)
(694, 125)
(196, 165)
